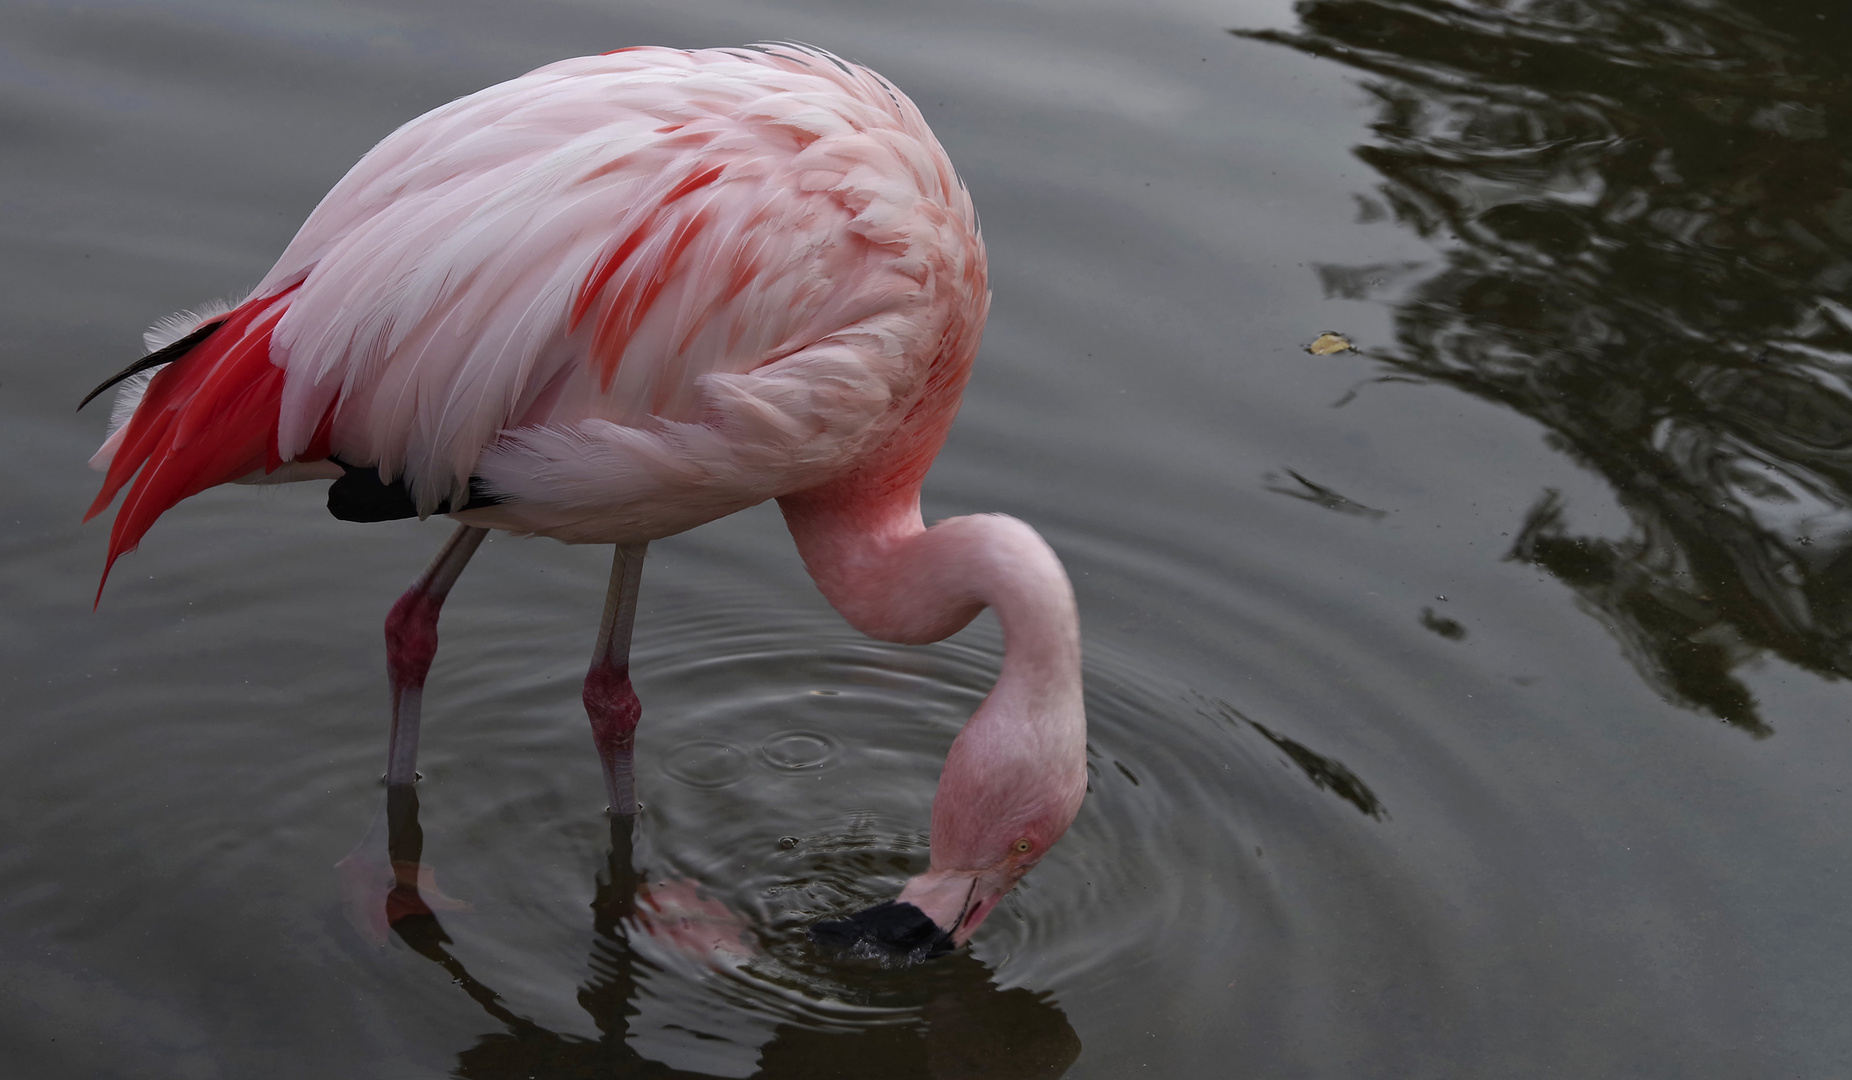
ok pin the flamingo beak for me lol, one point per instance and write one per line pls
(891, 931)
(937, 912)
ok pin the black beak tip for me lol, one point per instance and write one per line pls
(890, 932)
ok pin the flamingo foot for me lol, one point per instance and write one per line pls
(383, 882)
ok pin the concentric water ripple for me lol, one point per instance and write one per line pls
(800, 749)
(788, 771)
(706, 764)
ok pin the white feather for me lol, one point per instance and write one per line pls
(171, 328)
(128, 397)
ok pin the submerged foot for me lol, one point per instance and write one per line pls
(382, 880)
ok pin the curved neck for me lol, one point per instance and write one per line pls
(896, 580)
(1017, 770)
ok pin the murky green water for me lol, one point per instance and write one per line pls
(1464, 705)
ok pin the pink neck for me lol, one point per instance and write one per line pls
(1019, 766)
(896, 580)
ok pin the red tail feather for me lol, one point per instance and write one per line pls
(207, 418)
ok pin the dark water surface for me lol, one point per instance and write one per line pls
(1466, 705)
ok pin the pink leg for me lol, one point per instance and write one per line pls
(411, 642)
(609, 699)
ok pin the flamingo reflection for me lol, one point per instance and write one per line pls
(963, 1025)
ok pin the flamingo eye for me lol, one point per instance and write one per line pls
(1023, 846)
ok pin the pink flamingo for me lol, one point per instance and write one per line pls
(613, 299)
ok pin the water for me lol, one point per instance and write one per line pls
(1468, 704)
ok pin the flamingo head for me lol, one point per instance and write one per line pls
(1008, 792)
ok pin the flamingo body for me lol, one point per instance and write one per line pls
(628, 293)
(616, 298)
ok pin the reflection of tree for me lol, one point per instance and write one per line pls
(1645, 208)
(966, 1027)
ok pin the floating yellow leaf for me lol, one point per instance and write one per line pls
(1330, 342)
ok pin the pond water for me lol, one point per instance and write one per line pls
(1467, 703)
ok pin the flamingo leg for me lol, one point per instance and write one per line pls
(411, 642)
(609, 700)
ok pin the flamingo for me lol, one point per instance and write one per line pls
(611, 300)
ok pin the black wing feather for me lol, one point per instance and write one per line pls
(166, 354)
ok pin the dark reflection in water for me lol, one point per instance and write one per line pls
(1326, 774)
(965, 1026)
(1644, 209)
(1442, 625)
(1320, 495)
